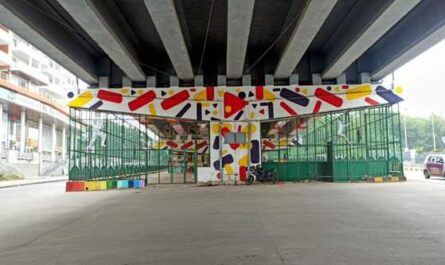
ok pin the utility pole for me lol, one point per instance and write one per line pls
(434, 132)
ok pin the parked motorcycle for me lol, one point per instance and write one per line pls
(258, 174)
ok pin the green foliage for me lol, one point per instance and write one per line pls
(420, 133)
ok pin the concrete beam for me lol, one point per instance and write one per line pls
(49, 37)
(308, 25)
(164, 16)
(103, 29)
(383, 21)
(239, 17)
(409, 54)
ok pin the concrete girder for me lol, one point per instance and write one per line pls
(164, 16)
(383, 21)
(239, 17)
(105, 32)
(309, 23)
(46, 35)
(410, 54)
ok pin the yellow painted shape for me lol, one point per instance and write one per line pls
(206, 104)
(215, 112)
(124, 91)
(201, 96)
(228, 109)
(224, 152)
(252, 115)
(90, 185)
(395, 179)
(81, 100)
(102, 185)
(152, 109)
(268, 95)
(398, 90)
(215, 128)
(337, 89)
(358, 92)
(250, 130)
(171, 92)
(220, 93)
(378, 179)
(304, 91)
(243, 161)
(229, 169)
(140, 92)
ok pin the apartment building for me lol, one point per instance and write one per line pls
(33, 115)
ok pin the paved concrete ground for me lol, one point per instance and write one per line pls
(391, 223)
(31, 181)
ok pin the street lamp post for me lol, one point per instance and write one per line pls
(434, 132)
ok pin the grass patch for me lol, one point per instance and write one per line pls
(4, 177)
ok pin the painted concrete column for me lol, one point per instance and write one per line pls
(22, 131)
(64, 143)
(53, 145)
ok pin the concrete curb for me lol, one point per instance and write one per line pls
(33, 183)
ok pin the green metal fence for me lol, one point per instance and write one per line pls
(371, 146)
(110, 145)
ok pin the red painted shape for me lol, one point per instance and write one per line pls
(210, 92)
(345, 86)
(109, 96)
(192, 89)
(174, 100)
(262, 111)
(242, 173)
(370, 101)
(328, 97)
(234, 146)
(234, 103)
(201, 145)
(224, 130)
(187, 145)
(288, 109)
(172, 144)
(259, 92)
(269, 144)
(142, 100)
(317, 107)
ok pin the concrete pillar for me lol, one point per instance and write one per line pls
(53, 144)
(64, 143)
(341, 79)
(151, 81)
(174, 81)
(222, 80)
(199, 80)
(104, 82)
(126, 82)
(269, 80)
(40, 147)
(316, 79)
(1, 126)
(365, 78)
(293, 80)
(22, 132)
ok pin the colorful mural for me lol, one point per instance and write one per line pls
(235, 104)
(233, 109)
(182, 145)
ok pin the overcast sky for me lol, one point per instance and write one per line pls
(423, 82)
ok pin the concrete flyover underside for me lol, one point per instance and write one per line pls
(397, 223)
(255, 42)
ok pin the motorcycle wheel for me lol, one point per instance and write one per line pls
(273, 179)
(249, 180)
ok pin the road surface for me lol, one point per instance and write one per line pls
(304, 223)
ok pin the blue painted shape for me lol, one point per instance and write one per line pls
(125, 184)
(120, 184)
(141, 183)
(136, 184)
(130, 183)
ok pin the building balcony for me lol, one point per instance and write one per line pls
(25, 71)
(5, 37)
(4, 58)
(21, 49)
